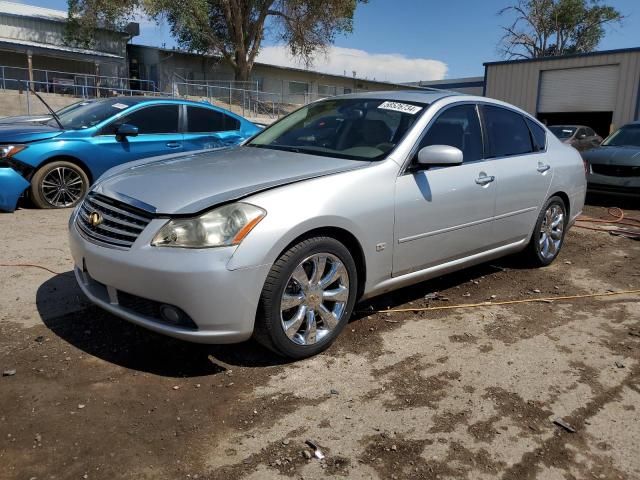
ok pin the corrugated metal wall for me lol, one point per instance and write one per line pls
(518, 82)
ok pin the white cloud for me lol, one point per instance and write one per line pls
(390, 67)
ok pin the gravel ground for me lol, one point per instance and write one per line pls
(462, 393)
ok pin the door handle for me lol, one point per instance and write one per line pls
(485, 180)
(543, 167)
(173, 144)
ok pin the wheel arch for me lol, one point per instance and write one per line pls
(66, 158)
(565, 199)
(345, 237)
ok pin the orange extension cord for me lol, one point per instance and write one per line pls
(618, 218)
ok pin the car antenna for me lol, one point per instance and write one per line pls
(53, 113)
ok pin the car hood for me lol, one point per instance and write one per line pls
(26, 132)
(613, 156)
(189, 183)
(24, 119)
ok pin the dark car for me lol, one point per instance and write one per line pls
(578, 136)
(615, 166)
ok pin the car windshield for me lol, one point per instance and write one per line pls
(352, 128)
(87, 114)
(627, 136)
(563, 132)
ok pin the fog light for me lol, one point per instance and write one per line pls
(170, 314)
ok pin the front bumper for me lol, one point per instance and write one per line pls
(609, 184)
(221, 303)
(12, 186)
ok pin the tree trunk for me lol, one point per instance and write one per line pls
(241, 69)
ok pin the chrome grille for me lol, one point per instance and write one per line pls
(121, 223)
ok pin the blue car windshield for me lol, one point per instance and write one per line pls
(627, 136)
(351, 128)
(87, 114)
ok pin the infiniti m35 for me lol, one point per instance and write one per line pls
(343, 199)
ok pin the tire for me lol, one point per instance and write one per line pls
(58, 184)
(294, 274)
(546, 242)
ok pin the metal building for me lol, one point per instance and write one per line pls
(33, 47)
(599, 89)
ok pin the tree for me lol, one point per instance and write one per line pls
(543, 28)
(231, 29)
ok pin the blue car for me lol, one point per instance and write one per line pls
(56, 160)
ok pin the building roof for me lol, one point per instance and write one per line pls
(12, 42)
(449, 83)
(418, 96)
(24, 10)
(561, 57)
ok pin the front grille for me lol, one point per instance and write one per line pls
(121, 223)
(616, 170)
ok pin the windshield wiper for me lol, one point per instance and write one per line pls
(53, 113)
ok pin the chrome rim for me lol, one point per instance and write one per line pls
(551, 232)
(314, 299)
(62, 187)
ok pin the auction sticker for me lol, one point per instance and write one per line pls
(120, 106)
(400, 107)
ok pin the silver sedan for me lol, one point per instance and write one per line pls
(342, 200)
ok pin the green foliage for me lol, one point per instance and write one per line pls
(542, 28)
(231, 29)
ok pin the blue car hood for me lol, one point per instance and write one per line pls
(25, 133)
(188, 183)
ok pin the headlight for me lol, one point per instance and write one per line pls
(220, 227)
(8, 151)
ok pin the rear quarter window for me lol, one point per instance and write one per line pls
(538, 135)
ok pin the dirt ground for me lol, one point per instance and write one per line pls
(463, 393)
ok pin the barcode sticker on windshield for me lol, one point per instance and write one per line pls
(119, 106)
(400, 107)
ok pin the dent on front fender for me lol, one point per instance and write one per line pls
(12, 185)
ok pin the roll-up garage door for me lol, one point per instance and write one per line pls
(585, 89)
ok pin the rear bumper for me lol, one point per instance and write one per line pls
(220, 304)
(12, 186)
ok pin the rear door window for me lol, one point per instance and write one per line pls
(201, 120)
(507, 132)
(458, 127)
(149, 120)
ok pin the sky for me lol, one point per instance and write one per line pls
(411, 40)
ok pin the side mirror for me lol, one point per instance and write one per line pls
(127, 130)
(439, 155)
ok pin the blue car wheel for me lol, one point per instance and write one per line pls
(58, 185)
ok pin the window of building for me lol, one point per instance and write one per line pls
(507, 132)
(327, 90)
(457, 127)
(208, 120)
(298, 88)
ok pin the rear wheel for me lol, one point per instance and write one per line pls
(548, 234)
(58, 184)
(307, 298)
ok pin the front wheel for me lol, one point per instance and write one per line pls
(58, 184)
(548, 234)
(307, 298)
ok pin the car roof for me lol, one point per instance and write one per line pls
(143, 99)
(419, 96)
